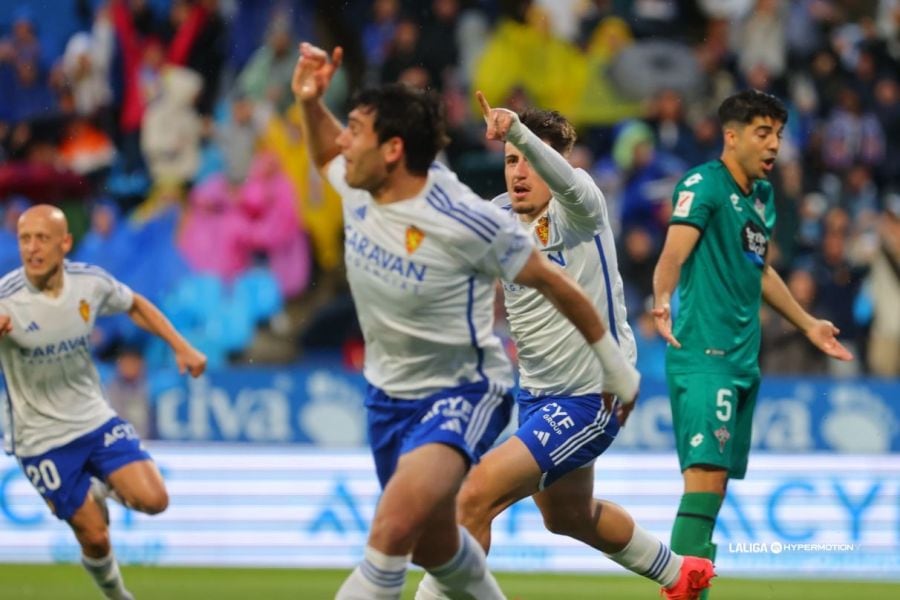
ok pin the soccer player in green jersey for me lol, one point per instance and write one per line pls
(715, 252)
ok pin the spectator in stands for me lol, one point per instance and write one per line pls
(267, 76)
(318, 205)
(86, 67)
(109, 243)
(378, 33)
(170, 133)
(402, 54)
(837, 282)
(784, 349)
(670, 127)
(128, 394)
(26, 94)
(269, 225)
(887, 110)
(208, 237)
(884, 285)
(237, 137)
(852, 134)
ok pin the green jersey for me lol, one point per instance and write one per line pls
(720, 287)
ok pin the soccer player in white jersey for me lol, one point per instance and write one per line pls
(422, 254)
(565, 421)
(61, 428)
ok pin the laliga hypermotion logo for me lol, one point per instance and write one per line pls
(542, 229)
(414, 237)
(84, 309)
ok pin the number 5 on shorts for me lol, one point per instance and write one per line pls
(723, 404)
(44, 476)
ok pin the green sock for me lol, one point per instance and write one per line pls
(694, 524)
(692, 532)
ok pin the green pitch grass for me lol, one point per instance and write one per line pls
(70, 582)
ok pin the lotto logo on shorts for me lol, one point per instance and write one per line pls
(122, 431)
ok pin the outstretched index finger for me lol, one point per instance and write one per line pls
(485, 107)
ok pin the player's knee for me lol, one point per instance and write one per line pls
(473, 505)
(152, 503)
(95, 542)
(395, 531)
(564, 522)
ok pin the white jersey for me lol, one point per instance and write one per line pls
(574, 232)
(422, 275)
(53, 389)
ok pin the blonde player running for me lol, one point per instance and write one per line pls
(564, 420)
(62, 430)
(422, 254)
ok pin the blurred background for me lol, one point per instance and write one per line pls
(165, 129)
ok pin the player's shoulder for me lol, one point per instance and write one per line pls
(12, 282)
(456, 210)
(502, 201)
(703, 176)
(87, 270)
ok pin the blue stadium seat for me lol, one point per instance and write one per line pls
(258, 292)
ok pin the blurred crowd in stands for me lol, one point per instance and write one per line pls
(166, 131)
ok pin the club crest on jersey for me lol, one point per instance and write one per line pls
(723, 436)
(542, 229)
(414, 237)
(84, 309)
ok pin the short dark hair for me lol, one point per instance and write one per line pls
(415, 116)
(551, 127)
(745, 106)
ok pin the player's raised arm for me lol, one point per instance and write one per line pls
(820, 332)
(312, 76)
(551, 165)
(621, 378)
(145, 315)
(680, 241)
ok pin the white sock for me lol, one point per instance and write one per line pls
(378, 577)
(464, 577)
(647, 556)
(106, 574)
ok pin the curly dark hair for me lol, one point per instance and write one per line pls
(745, 106)
(415, 116)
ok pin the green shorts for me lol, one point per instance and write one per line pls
(712, 415)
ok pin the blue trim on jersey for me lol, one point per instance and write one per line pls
(9, 421)
(16, 280)
(465, 208)
(432, 201)
(470, 304)
(86, 269)
(480, 224)
(9, 292)
(609, 298)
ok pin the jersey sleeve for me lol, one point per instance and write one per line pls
(334, 172)
(691, 203)
(116, 297)
(575, 190)
(505, 249)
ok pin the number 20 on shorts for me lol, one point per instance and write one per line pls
(44, 476)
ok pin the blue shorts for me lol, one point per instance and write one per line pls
(63, 475)
(565, 433)
(468, 418)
